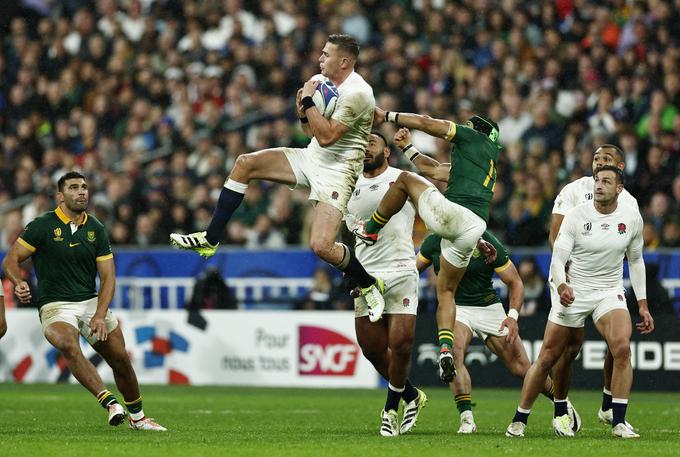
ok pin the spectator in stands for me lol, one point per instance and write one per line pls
(535, 291)
(112, 90)
(325, 294)
(657, 296)
(211, 292)
(670, 232)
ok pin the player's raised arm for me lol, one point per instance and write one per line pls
(436, 127)
(425, 164)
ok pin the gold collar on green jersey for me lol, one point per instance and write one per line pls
(65, 219)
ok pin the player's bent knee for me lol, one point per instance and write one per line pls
(519, 369)
(402, 345)
(67, 347)
(245, 164)
(620, 350)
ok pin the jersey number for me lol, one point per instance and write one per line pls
(491, 175)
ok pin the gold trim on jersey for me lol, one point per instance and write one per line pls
(65, 219)
(25, 244)
(424, 259)
(452, 131)
(503, 267)
(104, 257)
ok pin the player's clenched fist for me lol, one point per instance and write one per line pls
(402, 137)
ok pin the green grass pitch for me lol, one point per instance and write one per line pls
(64, 420)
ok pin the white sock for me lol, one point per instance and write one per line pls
(236, 186)
(396, 389)
(137, 416)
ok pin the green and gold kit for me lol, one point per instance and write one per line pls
(476, 286)
(65, 262)
(473, 169)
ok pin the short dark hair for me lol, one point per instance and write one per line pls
(376, 133)
(620, 179)
(486, 126)
(70, 175)
(346, 43)
(619, 151)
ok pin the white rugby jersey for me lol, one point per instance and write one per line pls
(354, 109)
(394, 249)
(581, 191)
(597, 243)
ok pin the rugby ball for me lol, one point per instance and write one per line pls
(325, 97)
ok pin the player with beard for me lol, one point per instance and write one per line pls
(388, 343)
(594, 238)
(69, 248)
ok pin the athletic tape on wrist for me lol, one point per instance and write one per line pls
(513, 313)
(410, 151)
(307, 102)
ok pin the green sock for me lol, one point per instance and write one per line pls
(464, 402)
(376, 222)
(106, 398)
(445, 339)
(134, 406)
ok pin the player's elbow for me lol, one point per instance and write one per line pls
(326, 140)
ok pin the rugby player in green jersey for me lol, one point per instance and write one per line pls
(459, 215)
(69, 248)
(479, 312)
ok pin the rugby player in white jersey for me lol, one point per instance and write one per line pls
(329, 166)
(593, 238)
(387, 344)
(573, 194)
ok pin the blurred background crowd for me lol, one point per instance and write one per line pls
(153, 100)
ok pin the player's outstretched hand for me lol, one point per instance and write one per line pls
(309, 87)
(647, 324)
(23, 292)
(513, 329)
(402, 137)
(489, 251)
(378, 116)
(98, 328)
(566, 294)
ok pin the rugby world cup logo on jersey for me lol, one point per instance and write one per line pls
(324, 352)
(587, 226)
(57, 234)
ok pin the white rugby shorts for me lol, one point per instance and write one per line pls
(586, 303)
(459, 227)
(483, 321)
(329, 180)
(76, 314)
(401, 294)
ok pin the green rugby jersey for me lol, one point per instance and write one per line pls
(473, 169)
(476, 287)
(65, 263)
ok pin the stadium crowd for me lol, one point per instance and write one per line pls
(154, 100)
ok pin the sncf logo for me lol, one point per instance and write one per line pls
(324, 352)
